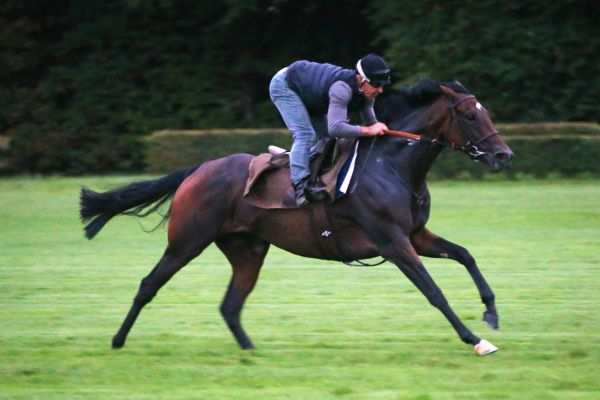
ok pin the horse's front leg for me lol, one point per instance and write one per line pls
(396, 247)
(429, 245)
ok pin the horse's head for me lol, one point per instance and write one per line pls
(466, 125)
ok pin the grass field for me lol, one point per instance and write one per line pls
(322, 330)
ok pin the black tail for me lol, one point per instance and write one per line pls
(132, 199)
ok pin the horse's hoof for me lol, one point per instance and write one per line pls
(483, 348)
(491, 319)
(117, 343)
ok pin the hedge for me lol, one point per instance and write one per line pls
(168, 150)
(541, 150)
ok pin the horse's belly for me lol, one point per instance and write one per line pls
(296, 232)
(355, 245)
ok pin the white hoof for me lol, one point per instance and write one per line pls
(484, 348)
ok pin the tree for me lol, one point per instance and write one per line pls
(529, 60)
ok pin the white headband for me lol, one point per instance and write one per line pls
(361, 72)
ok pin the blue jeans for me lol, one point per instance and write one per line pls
(299, 122)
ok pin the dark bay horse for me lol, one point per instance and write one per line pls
(384, 215)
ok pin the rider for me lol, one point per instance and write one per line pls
(314, 99)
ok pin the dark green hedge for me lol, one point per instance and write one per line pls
(72, 153)
(537, 157)
(168, 150)
(541, 150)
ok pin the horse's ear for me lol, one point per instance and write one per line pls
(448, 92)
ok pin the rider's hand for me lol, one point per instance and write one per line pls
(377, 129)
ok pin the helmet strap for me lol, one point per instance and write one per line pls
(361, 83)
(361, 72)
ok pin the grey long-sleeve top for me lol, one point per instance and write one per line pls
(338, 124)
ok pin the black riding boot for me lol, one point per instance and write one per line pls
(315, 191)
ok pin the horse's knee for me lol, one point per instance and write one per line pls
(436, 300)
(145, 293)
(230, 314)
(464, 257)
(225, 311)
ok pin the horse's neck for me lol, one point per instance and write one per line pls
(422, 157)
(410, 161)
(414, 160)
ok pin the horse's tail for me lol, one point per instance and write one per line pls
(133, 199)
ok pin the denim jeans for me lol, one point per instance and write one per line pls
(299, 122)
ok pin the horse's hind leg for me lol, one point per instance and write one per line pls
(246, 254)
(171, 262)
(188, 237)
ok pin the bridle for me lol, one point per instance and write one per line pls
(470, 147)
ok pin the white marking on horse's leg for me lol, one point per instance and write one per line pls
(484, 348)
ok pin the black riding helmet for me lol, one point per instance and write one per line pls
(374, 70)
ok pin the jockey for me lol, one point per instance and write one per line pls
(314, 100)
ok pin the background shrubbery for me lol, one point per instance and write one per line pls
(541, 150)
(81, 82)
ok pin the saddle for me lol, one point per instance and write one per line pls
(269, 186)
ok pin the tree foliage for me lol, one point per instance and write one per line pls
(528, 60)
(81, 81)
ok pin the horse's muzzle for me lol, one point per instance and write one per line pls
(500, 160)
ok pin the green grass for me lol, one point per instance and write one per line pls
(322, 330)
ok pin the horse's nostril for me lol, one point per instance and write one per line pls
(503, 156)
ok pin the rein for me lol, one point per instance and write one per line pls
(403, 134)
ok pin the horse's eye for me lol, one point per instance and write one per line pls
(470, 116)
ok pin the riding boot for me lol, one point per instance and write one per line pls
(315, 191)
(301, 200)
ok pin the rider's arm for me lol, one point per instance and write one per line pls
(367, 113)
(338, 124)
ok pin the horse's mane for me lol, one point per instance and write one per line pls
(396, 103)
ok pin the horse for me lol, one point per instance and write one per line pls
(385, 213)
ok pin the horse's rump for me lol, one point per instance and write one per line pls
(269, 186)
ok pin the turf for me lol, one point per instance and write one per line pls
(322, 330)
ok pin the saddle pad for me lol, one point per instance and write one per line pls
(269, 186)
